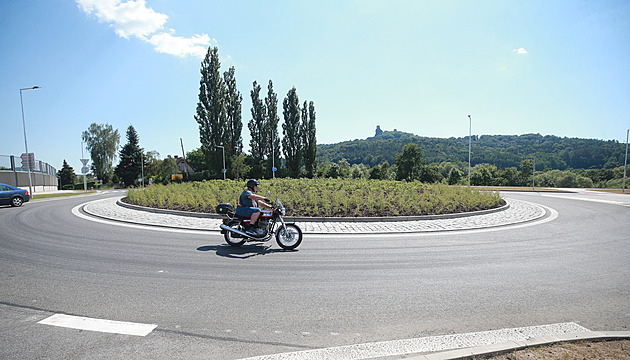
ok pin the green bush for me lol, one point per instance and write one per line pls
(324, 197)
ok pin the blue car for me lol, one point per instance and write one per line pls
(10, 195)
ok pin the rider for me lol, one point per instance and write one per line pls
(248, 204)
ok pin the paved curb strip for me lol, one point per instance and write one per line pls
(516, 212)
(502, 348)
(454, 346)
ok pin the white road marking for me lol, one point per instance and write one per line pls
(76, 211)
(100, 325)
(612, 202)
(427, 344)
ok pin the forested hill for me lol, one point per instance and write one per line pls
(504, 151)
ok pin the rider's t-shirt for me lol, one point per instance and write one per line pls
(246, 206)
(245, 201)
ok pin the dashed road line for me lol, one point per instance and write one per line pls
(100, 325)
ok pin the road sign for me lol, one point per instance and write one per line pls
(85, 170)
(85, 161)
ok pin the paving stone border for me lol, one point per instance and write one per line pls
(516, 211)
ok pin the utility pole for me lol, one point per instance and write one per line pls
(469, 146)
(28, 158)
(533, 173)
(625, 164)
(185, 162)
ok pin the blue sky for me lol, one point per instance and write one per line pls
(550, 67)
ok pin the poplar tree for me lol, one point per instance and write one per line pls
(309, 139)
(233, 99)
(292, 134)
(273, 143)
(211, 110)
(257, 129)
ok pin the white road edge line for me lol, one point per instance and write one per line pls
(100, 325)
(427, 344)
(76, 211)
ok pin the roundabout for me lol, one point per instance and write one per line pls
(563, 270)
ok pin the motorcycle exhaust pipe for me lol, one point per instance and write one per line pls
(227, 228)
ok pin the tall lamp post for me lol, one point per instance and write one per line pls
(223, 148)
(469, 145)
(28, 159)
(625, 164)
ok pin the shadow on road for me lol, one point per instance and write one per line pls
(242, 252)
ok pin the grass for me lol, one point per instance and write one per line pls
(324, 197)
(60, 194)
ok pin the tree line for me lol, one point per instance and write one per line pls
(533, 170)
(219, 117)
(504, 151)
(220, 125)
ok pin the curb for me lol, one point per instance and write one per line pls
(506, 347)
(321, 219)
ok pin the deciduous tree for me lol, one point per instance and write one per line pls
(309, 139)
(211, 110)
(257, 130)
(271, 127)
(102, 141)
(291, 129)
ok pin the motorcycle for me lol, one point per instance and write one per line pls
(234, 227)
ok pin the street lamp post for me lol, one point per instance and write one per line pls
(534, 174)
(625, 164)
(224, 170)
(469, 145)
(28, 160)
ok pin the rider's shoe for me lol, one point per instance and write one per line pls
(251, 232)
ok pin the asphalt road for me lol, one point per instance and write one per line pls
(209, 300)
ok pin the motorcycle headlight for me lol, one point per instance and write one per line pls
(282, 211)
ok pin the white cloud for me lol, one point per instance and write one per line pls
(520, 51)
(134, 18)
(131, 18)
(196, 46)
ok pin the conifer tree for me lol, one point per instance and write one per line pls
(66, 175)
(130, 167)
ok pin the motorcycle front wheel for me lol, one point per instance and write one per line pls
(290, 237)
(229, 236)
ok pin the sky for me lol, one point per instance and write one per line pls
(549, 67)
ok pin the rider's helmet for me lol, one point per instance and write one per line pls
(251, 183)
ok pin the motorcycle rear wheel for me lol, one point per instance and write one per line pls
(290, 237)
(229, 238)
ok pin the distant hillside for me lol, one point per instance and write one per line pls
(501, 150)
